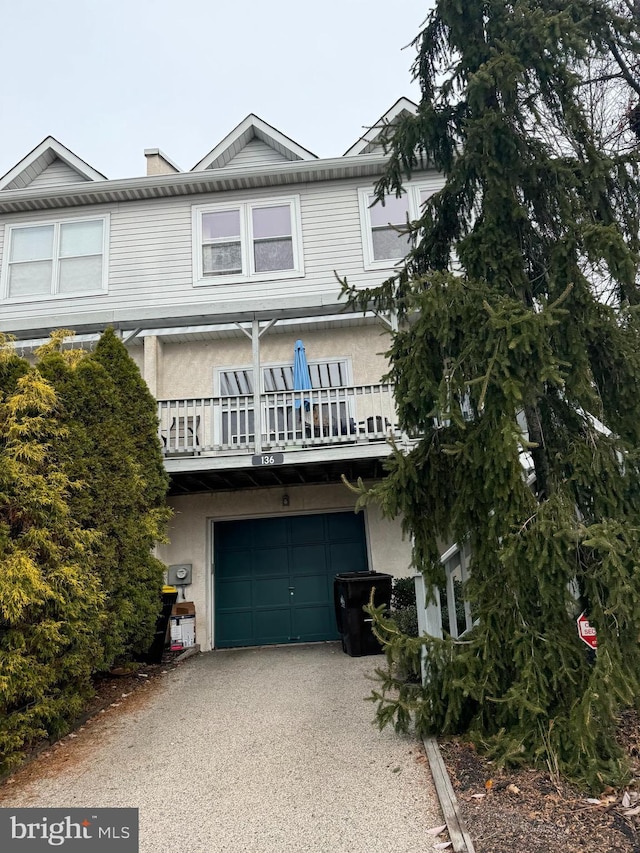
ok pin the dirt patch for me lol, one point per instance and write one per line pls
(530, 812)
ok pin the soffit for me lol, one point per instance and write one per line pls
(192, 183)
(298, 474)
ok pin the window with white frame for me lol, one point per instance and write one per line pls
(383, 244)
(258, 240)
(55, 258)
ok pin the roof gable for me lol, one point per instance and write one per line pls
(370, 140)
(49, 164)
(253, 128)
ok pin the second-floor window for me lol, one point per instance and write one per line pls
(383, 244)
(258, 240)
(55, 258)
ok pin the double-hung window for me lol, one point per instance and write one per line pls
(55, 258)
(249, 240)
(383, 242)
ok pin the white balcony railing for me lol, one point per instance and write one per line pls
(287, 419)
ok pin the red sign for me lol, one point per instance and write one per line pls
(586, 633)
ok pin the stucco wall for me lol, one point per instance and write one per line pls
(137, 355)
(187, 369)
(190, 534)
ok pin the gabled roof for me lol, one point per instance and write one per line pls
(241, 136)
(368, 142)
(43, 156)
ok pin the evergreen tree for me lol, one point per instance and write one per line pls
(51, 601)
(519, 299)
(112, 447)
(137, 414)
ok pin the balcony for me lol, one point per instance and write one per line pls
(287, 421)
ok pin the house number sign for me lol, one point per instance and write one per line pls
(268, 459)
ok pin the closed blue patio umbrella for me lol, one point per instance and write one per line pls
(301, 376)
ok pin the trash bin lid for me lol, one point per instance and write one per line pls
(361, 576)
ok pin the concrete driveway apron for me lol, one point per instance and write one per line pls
(255, 750)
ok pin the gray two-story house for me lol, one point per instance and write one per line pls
(219, 279)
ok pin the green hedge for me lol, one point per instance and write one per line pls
(82, 489)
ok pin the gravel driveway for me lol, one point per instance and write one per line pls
(251, 751)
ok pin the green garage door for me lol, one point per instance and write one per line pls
(274, 576)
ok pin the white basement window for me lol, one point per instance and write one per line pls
(47, 259)
(252, 240)
(383, 245)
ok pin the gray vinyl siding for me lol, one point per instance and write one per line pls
(151, 261)
(255, 153)
(57, 174)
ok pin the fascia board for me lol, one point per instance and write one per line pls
(156, 317)
(400, 106)
(50, 144)
(249, 127)
(191, 183)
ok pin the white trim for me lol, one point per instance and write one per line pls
(413, 191)
(368, 139)
(42, 153)
(54, 293)
(245, 209)
(252, 127)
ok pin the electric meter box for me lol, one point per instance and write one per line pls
(180, 574)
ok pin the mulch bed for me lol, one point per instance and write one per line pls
(527, 811)
(121, 683)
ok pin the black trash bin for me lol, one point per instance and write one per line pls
(351, 592)
(156, 649)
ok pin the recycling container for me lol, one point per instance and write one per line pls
(156, 649)
(351, 592)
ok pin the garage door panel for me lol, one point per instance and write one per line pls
(344, 526)
(272, 626)
(348, 557)
(311, 623)
(234, 534)
(259, 563)
(270, 561)
(267, 531)
(270, 591)
(234, 564)
(308, 528)
(235, 629)
(311, 589)
(234, 595)
(308, 559)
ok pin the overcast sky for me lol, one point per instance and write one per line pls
(110, 79)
